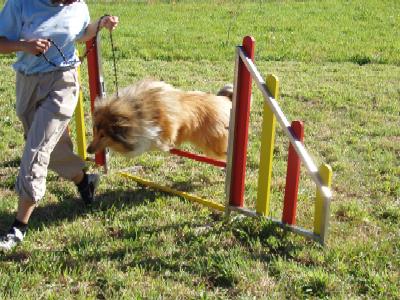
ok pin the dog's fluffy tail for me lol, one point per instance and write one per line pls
(227, 91)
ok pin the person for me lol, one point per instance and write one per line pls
(43, 35)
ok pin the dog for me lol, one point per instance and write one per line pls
(153, 115)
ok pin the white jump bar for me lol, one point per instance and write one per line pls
(297, 145)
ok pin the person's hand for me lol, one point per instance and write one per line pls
(109, 22)
(36, 47)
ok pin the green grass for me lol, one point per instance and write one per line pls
(338, 65)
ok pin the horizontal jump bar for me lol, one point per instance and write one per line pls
(201, 158)
(299, 230)
(281, 118)
(219, 207)
(206, 202)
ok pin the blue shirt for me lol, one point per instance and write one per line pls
(33, 19)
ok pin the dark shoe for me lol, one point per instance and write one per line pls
(87, 188)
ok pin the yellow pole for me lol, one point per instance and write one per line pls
(325, 171)
(80, 122)
(166, 189)
(266, 151)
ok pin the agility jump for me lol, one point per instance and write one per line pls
(245, 72)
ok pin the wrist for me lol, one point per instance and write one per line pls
(19, 46)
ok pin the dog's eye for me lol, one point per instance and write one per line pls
(118, 130)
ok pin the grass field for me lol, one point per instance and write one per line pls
(339, 68)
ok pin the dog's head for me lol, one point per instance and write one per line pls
(112, 127)
(120, 126)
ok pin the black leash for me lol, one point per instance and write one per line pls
(94, 40)
(58, 49)
(88, 50)
(115, 64)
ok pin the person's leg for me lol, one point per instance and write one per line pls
(43, 135)
(79, 178)
(70, 166)
(44, 108)
(26, 103)
(24, 210)
(18, 228)
(64, 161)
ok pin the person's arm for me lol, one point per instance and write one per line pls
(33, 47)
(109, 22)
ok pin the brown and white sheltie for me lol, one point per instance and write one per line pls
(153, 115)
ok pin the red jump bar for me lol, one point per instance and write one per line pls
(201, 158)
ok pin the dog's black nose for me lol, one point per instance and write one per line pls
(89, 150)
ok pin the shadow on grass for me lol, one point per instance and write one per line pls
(208, 252)
(8, 173)
(206, 249)
(211, 252)
(71, 207)
(11, 163)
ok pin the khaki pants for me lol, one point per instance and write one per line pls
(45, 105)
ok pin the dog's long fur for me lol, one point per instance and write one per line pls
(153, 115)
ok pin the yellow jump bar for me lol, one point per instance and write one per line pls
(193, 198)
